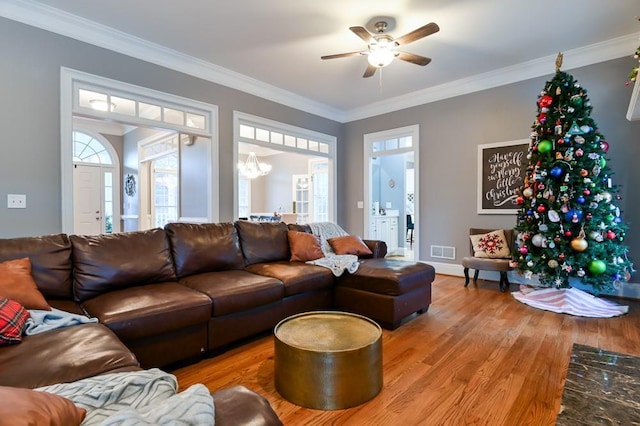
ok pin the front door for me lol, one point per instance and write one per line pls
(87, 186)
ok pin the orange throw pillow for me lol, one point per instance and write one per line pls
(16, 283)
(304, 246)
(349, 244)
(28, 407)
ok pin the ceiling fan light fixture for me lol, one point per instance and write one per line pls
(381, 52)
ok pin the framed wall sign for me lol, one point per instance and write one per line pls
(501, 170)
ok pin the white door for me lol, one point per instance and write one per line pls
(87, 203)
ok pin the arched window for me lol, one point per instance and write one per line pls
(87, 149)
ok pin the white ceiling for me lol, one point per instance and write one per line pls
(273, 48)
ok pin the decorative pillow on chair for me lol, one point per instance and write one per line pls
(28, 407)
(304, 246)
(17, 283)
(492, 245)
(13, 317)
(349, 244)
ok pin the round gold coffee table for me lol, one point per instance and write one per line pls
(328, 360)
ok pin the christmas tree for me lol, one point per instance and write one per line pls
(569, 224)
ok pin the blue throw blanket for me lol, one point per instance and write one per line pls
(41, 321)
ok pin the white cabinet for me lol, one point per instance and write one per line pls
(385, 228)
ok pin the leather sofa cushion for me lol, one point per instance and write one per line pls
(297, 277)
(236, 291)
(240, 406)
(64, 355)
(50, 257)
(388, 276)
(263, 241)
(143, 311)
(207, 247)
(109, 262)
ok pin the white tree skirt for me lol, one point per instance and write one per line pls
(569, 301)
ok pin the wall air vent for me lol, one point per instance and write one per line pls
(443, 252)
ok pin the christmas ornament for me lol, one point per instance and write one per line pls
(541, 207)
(574, 129)
(576, 100)
(607, 196)
(580, 199)
(523, 250)
(611, 235)
(552, 263)
(579, 140)
(553, 216)
(597, 267)
(537, 240)
(604, 145)
(545, 101)
(544, 146)
(585, 129)
(579, 244)
(556, 172)
(528, 192)
(595, 235)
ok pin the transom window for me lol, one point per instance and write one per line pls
(87, 149)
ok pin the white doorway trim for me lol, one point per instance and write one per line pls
(69, 105)
(369, 152)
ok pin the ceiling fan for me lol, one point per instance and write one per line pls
(382, 47)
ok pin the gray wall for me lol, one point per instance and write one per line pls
(30, 118)
(452, 129)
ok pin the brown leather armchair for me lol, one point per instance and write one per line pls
(501, 265)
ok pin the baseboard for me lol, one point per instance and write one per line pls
(626, 290)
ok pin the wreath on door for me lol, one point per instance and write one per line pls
(130, 185)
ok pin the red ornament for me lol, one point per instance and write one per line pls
(557, 239)
(541, 208)
(589, 216)
(524, 250)
(519, 199)
(604, 145)
(586, 192)
(541, 186)
(611, 235)
(542, 118)
(561, 256)
(526, 237)
(567, 233)
(584, 172)
(545, 101)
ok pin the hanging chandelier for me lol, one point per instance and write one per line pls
(252, 168)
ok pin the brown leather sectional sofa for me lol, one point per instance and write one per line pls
(169, 295)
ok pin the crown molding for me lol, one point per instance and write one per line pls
(54, 20)
(575, 58)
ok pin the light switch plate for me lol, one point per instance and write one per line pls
(16, 201)
(361, 204)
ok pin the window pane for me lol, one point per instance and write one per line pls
(302, 143)
(392, 144)
(149, 111)
(108, 179)
(406, 142)
(277, 138)
(105, 158)
(88, 98)
(124, 106)
(173, 116)
(196, 121)
(324, 148)
(313, 146)
(289, 140)
(246, 132)
(378, 146)
(262, 135)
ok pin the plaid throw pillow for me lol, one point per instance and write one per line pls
(13, 317)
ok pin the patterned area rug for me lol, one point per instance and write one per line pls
(602, 388)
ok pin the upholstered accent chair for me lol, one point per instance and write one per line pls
(499, 264)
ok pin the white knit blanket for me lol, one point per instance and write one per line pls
(337, 263)
(138, 398)
(569, 301)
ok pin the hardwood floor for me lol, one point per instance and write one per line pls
(476, 357)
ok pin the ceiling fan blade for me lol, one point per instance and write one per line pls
(371, 70)
(362, 33)
(418, 34)
(413, 58)
(342, 55)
